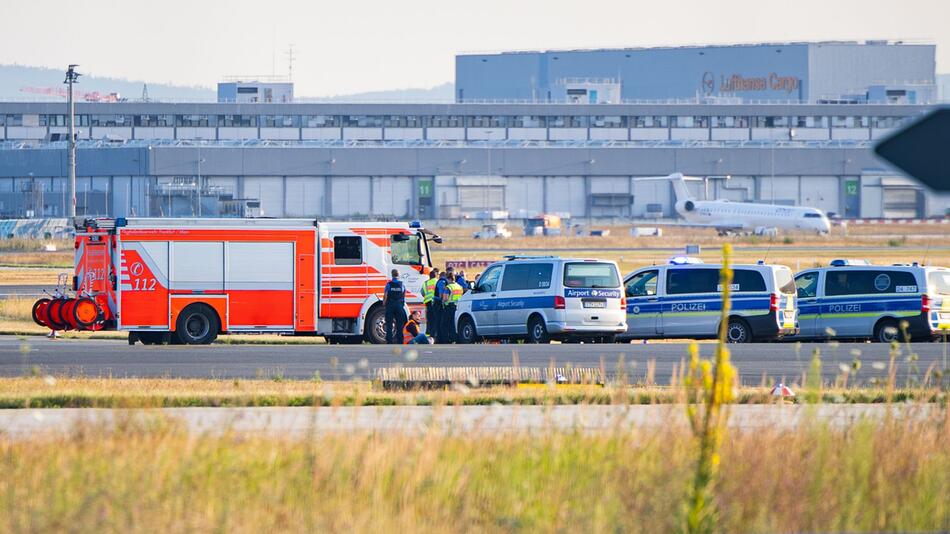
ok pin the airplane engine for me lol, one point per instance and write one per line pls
(686, 205)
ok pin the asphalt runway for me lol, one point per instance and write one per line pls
(779, 361)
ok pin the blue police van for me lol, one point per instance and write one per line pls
(854, 299)
(684, 300)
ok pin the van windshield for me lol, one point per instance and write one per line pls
(591, 274)
(784, 282)
(939, 282)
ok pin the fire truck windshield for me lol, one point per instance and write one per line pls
(406, 249)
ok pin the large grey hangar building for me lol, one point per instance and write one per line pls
(467, 159)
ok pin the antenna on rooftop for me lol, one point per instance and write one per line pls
(290, 62)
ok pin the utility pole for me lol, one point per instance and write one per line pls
(71, 77)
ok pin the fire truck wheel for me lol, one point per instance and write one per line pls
(197, 325)
(375, 326)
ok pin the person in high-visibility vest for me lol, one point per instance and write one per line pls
(428, 298)
(450, 297)
(411, 334)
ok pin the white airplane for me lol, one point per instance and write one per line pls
(734, 217)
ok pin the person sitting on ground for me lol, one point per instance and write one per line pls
(411, 333)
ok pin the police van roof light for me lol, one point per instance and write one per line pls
(684, 260)
(846, 262)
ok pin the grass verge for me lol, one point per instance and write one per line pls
(153, 476)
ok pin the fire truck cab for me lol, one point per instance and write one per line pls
(189, 280)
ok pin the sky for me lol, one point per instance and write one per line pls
(366, 45)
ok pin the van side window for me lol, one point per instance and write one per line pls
(852, 282)
(747, 280)
(682, 281)
(642, 284)
(488, 282)
(348, 250)
(807, 285)
(527, 276)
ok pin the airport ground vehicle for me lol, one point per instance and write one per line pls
(854, 299)
(540, 298)
(187, 280)
(493, 231)
(545, 224)
(684, 300)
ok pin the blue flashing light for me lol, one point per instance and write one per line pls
(844, 262)
(415, 224)
(684, 260)
(121, 221)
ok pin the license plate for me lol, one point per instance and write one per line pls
(595, 303)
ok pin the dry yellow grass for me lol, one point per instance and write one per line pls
(35, 389)
(155, 477)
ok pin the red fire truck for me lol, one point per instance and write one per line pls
(188, 280)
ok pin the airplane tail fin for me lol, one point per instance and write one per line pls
(679, 187)
(679, 184)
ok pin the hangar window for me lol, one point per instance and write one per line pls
(683, 121)
(237, 121)
(48, 120)
(154, 120)
(608, 121)
(445, 121)
(485, 121)
(731, 122)
(526, 121)
(771, 121)
(649, 122)
(567, 121)
(321, 121)
(362, 121)
(886, 122)
(279, 121)
(111, 120)
(810, 122)
(402, 121)
(195, 120)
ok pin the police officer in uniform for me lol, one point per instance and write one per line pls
(438, 307)
(450, 297)
(428, 298)
(394, 299)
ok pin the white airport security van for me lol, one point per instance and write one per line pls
(855, 299)
(683, 299)
(540, 298)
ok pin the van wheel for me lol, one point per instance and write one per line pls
(887, 331)
(738, 331)
(466, 331)
(197, 325)
(537, 331)
(609, 338)
(374, 329)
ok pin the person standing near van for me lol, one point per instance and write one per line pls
(428, 298)
(450, 297)
(437, 308)
(394, 299)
